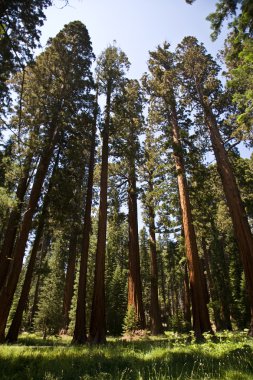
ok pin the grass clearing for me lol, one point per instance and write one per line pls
(172, 356)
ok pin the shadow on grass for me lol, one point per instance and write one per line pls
(35, 340)
(122, 360)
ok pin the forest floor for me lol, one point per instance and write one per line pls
(172, 356)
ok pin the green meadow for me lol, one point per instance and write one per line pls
(173, 356)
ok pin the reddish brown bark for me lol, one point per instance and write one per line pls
(79, 336)
(134, 277)
(12, 335)
(13, 332)
(201, 321)
(7, 293)
(155, 313)
(240, 222)
(98, 320)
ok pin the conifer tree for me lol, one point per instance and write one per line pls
(239, 11)
(19, 23)
(27, 160)
(237, 54)
(111, 66)
(40, 272)
(128, 123)
(116, 258)
(49, 315)
(145, 270)
(13, 331)
(79, 335)
(206, 189)
(201, 87)
(162, 85)
(151, 171)
(65, 92)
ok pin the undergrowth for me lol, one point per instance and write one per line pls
(172, 356)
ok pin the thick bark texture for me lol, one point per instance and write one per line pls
(240, 222)
(155, 313)
(201, 321)
(98, 320)
(80, 336)
(134, 276)
(7, 293)
(12, 225)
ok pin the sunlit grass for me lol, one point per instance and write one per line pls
(173, 356)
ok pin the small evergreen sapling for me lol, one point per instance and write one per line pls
(49, 315)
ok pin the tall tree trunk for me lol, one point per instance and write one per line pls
(12, 335)
(13, 222)
(98, 320)
(134, 277)
(201, 321)
(240, 222)
(13, 332)
(155, 313)
(79, 336)
(7, 293)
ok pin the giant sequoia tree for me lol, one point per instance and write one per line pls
(55, 97)
(111, 66)
(128, 123)
(162, 85)
(79, 335)
(198, 73)
(151, 170)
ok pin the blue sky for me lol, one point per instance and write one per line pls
(137, 25)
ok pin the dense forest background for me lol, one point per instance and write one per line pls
(81, 143)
